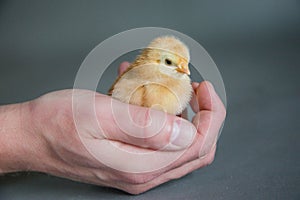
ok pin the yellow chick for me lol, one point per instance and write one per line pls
(158, 78)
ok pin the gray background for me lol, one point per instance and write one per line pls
(255, 44)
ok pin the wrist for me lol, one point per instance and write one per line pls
(19, 143)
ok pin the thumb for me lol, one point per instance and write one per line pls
(143, 127)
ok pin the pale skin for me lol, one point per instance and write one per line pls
(40, 135)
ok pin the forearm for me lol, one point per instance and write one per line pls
(16, 141)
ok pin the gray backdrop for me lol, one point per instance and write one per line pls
(255, 44)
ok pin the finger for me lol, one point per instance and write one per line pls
(202, 96)
(123, 67)
(129, 162)
(192, 153)
(209, 119)
(143, 127)
(204, 93)
(151, 180)
(194, 100)
(207, 98)
(176, 173)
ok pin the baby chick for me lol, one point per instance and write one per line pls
(158, 78)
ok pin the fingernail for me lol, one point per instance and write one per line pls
(183, 133)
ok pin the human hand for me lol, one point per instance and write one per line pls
(55, 144)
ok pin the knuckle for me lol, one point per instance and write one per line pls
(136, 179)
(159, 140)
(209, 160)
(134, 191)
(207, 155)
(157, 137)
(154, 142)
(222, 110)
(141, 117)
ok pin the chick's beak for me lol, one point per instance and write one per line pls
(183, 68)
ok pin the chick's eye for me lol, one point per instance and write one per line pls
(168, 61)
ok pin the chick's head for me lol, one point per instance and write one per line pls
(168, 51)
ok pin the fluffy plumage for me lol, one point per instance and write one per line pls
(158, 78)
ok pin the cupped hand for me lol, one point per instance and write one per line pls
(83, 142)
